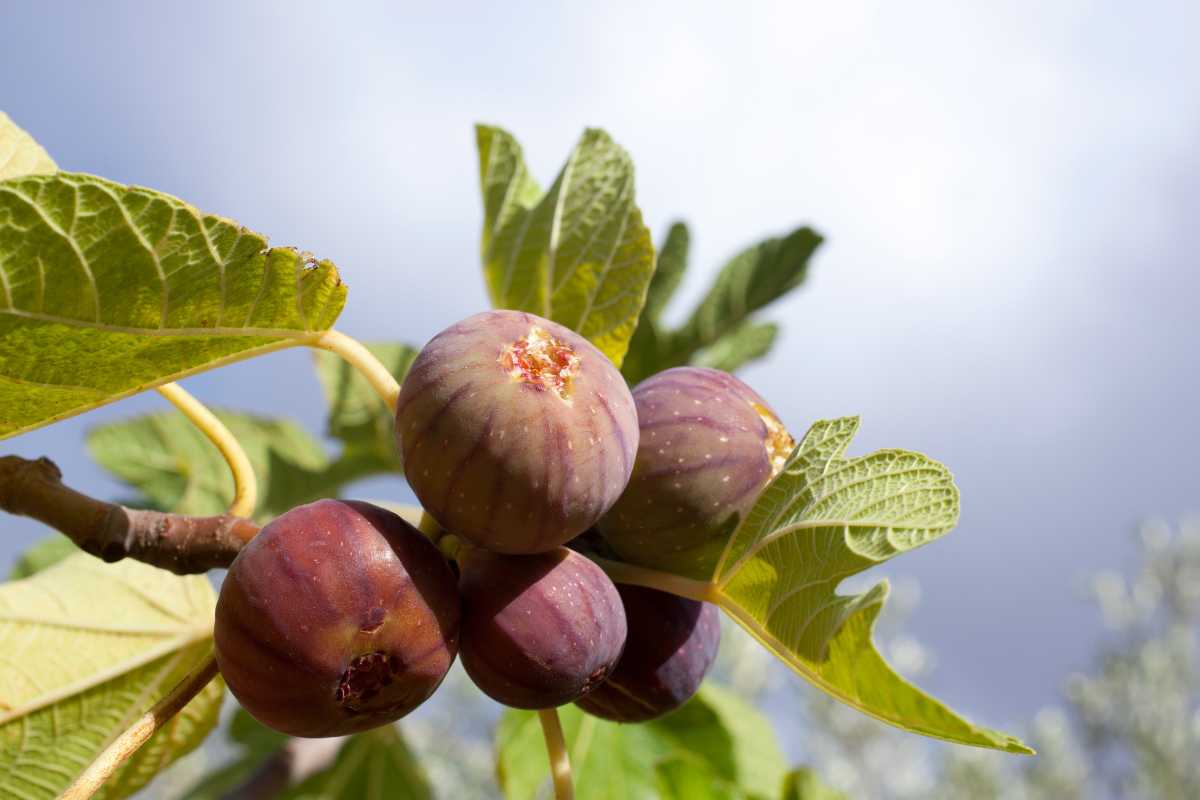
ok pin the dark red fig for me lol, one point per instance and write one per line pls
(539, 630)
(671, 645)
(516, 433)
(708, 445)
(337, 617)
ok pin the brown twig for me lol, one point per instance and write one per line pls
(176, 542)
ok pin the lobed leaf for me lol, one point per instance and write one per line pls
(579, 253)
(824, 518)
(803, 784)
(87, 648)
(668, 272)
(107, 290)
(41, 555)
(20, 155)
(715, 737)
(376, 765)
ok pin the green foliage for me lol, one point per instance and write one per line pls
(376, 765)
(824, 518)
(803, 784)
(88, 647)
(108, 290)
(43, 554)
(20, 155)
(358, 417)
(720, 332)
(255, 744)
(579, 253)
(715, 738)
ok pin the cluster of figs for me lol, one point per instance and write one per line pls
(518, 437)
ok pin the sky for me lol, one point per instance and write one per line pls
(1009, 194)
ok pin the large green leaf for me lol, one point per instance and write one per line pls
(85, 649)
(358, 416)
(578, 254)
(20, 155)
(715, 736)
(370, 766)
(107, 290)
(824, 518)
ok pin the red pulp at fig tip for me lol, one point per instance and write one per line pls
(542, 360)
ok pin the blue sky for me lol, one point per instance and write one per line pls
(1010, 194)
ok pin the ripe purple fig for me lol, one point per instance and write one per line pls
(671, 645)
(337, 617)
(539, 630)
(515, 432)
(708, 446)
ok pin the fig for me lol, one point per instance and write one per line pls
(515, 432)
(708, 445)
(671, 645)
(538, 630)
(337, 617)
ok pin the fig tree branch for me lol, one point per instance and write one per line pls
(175, 542)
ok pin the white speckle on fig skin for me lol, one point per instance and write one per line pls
(530, 495)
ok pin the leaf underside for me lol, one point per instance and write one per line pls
(107, 290)
(87, 648)
(824, 518)
(20, 155)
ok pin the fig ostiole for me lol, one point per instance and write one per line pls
(515, 432)
(337, 617)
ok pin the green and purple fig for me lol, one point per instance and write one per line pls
(337, 617)
(516, 433)
(671, 645)
(539, 630)
(708, 446)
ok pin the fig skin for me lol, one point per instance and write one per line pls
(708, 446)
(672, 643)
(337, 617)
(515, 432)
(538, 631)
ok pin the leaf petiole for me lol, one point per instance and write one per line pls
(245, 484)
(363, 360)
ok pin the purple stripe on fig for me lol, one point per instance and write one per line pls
(541, 398)
(319, 599)
(538, 630)
(708, 445)
(671, 645)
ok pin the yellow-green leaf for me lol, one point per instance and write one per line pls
(578, 254)
(824, 518)
(85, 649)
(20, 155)
(107, 290)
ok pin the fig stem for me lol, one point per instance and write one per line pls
(363, 360)
(556, 747)
(125, 745)
(245, 485)
(620, 572)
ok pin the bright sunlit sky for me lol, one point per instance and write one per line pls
(1010, 193)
